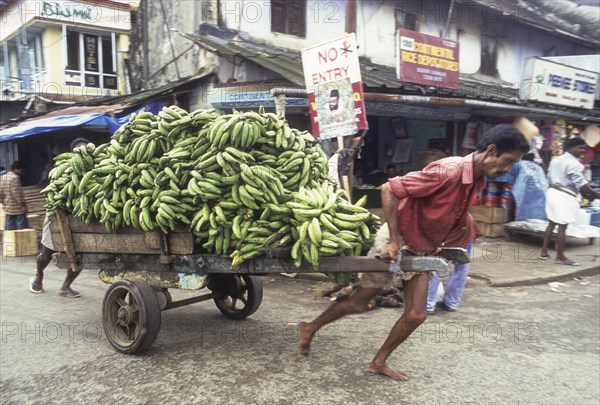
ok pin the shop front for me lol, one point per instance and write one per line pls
(413, 114)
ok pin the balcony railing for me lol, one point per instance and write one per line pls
(15, 88)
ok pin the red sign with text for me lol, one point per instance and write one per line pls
(428, 60)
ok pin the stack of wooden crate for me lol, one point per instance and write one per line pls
(35, 205)
(19, 243)
(491, 220)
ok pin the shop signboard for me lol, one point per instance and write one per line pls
(555, 83)
(424, 59)
(90, 52)
(247, 95)
(334, 88)
(18, 14)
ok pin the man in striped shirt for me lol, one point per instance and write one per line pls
(12, 198)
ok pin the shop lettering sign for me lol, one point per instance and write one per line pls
(105, 14)
(334, 88)
(424, 59)
(246, 96)
(555, 83)
(73, 10)
(90, 47)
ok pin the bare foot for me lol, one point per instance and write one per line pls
(304, 338)
(387, 371)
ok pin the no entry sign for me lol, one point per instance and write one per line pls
(334, 87)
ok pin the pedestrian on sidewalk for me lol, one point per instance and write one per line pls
(566, 180)
(424, 210)
(13, 199)
(455, 285)
(45, 256)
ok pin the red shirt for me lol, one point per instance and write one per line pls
(434, 204)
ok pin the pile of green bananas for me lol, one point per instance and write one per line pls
(243, 183)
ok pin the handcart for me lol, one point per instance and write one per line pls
(141, 267)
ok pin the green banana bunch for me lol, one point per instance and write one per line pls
(242, 183)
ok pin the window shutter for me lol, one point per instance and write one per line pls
(296, 15)
(289, 17)
(277, 18)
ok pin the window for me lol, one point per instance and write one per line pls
(107, 56)
(489, 55)
(289, 17)
(90, 61)
(405, 20)
(36, 55)
(72, 50)
(3, 69)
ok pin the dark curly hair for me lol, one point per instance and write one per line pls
(506, 137)
(571, 143)
(77, 141)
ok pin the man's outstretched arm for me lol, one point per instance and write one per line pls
(390, 211)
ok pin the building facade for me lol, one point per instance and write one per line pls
(64, 51)
(253, 47)
(56, 54)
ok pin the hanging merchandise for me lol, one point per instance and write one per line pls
(403, 150)
(493, 192)
(507, 200)
(527, 128)
(483, 128)
(591, 135)
(547, 132)
(573, 131)
(560, 136)
(471, 135)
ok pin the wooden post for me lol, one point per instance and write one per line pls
(350, 15)
(345, 179)
(65, 231)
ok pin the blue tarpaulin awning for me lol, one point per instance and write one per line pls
(58, 122)
(44, 125)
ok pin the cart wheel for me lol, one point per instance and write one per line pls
(164, 298)
(130, 316)
(239, 295)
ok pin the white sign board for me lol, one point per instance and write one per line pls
(334, 88)
(555, 83)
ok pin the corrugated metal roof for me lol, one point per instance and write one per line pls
(148, 95)
(288, 63)
(573, 19)
(119, 103)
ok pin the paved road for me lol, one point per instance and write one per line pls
(506, 345)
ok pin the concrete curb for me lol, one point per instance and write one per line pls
(580, 272)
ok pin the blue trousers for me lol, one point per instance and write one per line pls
(455, 285)
(15, 222)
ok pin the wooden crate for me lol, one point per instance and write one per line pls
(35, 221)
(490, 215)
(35, 200)
(491, 230)
(23, 242)
(96, 239)
(35, 208)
